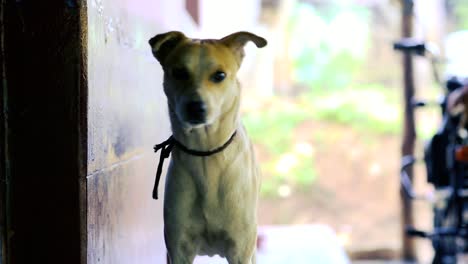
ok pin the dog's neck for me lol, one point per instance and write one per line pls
(211, 136)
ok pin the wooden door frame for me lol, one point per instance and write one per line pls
(43, 206)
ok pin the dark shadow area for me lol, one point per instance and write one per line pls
(41, 106)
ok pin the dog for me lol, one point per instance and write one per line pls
(213, 181)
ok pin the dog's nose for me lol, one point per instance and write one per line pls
(196, 112)
(196, 107)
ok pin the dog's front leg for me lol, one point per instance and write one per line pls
(254, 257)
(180, 243)
(180, 258)
(248, 257)
(180, 253)
(242, 260)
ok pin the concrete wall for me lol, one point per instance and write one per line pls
(126, 116)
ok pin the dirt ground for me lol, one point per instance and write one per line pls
(356, 191)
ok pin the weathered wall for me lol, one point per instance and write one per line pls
(126, 116)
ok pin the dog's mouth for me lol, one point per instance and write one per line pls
(196, 119)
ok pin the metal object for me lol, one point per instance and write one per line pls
(446, 159)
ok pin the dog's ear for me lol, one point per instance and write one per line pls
(162, 44)
(237, 41)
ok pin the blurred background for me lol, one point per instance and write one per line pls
(323, 105)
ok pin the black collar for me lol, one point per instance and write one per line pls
(166, 148)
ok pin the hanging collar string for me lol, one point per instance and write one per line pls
(166, 148)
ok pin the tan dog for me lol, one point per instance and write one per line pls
(213, 181)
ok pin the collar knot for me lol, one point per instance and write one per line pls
(166, 148)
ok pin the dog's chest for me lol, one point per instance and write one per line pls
(219, 186)
(212, 176)
(215, 242)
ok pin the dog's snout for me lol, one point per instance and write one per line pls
(196, 112)
(196, 106)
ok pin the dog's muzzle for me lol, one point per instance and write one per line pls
(196, 112)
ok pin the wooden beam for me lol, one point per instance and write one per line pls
(409, 133)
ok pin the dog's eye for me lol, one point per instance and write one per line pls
(180, 74)
(218, 76)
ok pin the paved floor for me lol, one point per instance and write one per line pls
(381, 262)
(303, 244)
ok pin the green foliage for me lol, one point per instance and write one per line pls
(374, 108)
(273, 127)
(298, 178)
(323, 55)
(461, 13)
(336, 73)
(304, 173)
(328, 49)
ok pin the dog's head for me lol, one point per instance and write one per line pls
(200, 75)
